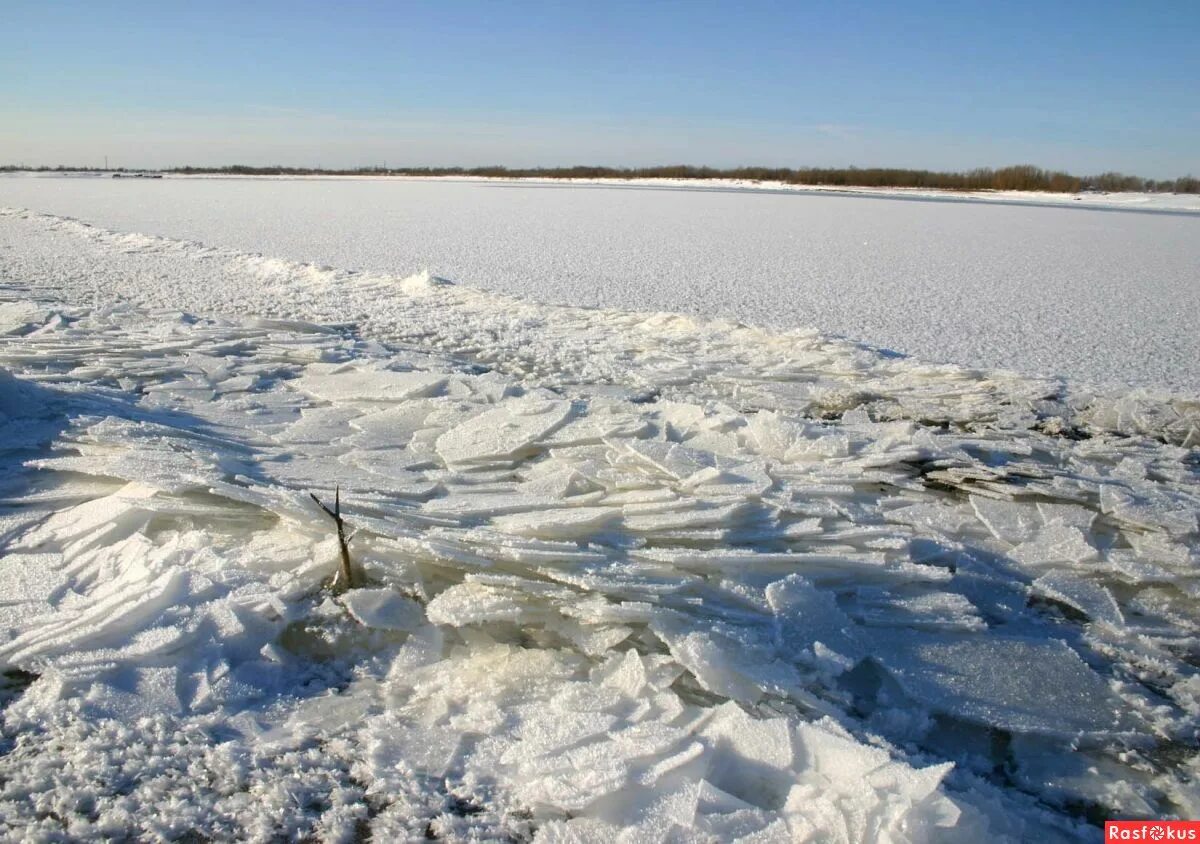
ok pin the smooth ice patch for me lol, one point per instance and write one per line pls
(1037, 686)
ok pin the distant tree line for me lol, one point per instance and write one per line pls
(1019, 177)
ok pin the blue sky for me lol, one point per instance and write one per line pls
(1085, 86)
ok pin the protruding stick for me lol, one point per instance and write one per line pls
(347, 573)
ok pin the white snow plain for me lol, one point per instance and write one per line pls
(630, 576)
(1101, 296)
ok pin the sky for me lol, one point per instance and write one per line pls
(1082, 86)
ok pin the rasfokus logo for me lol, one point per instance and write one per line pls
(1152, 831)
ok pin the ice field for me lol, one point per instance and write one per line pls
(628, 575)
(1045, 290)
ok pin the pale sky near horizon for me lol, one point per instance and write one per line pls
(1082, 86)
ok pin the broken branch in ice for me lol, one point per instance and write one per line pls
(345, 577)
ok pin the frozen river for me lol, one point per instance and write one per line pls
(618, 576)
(1097, 296)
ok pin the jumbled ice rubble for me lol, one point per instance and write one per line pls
(589, 614)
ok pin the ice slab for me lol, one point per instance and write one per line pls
(1037, 686)
(503, 432)
(1089, 597)
(19, 317)
(384, 609)
(1007, 520)
(360, 385)
(562, 523)
(1056, 543)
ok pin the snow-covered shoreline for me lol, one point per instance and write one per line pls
(1181, 202)
(1131, 201)
(634, 576)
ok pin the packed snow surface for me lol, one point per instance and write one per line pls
(628, 576)
(1103, 296)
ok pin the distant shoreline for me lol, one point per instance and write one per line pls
(1024, 178)
(1186, 204)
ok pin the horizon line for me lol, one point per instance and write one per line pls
(1012, 177)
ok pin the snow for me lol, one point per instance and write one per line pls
(628, 576)
(1175, 202)
(1021, 283)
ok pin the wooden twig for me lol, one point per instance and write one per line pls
(346, 574)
